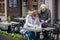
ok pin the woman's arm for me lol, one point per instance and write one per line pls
(28, 21)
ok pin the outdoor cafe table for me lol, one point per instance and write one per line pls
(20, 18)
(38, 29)
(8, 24)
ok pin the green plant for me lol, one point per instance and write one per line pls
(17, 36)
(9, 18)
(24, 14)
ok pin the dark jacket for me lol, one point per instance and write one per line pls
(45, 15)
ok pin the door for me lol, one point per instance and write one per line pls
(14, 8)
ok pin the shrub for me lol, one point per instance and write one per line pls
(14, 35)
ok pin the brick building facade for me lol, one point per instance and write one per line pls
(16, 8)
(19, 8)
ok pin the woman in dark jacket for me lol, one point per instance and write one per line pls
(45, 18)
(44, 15)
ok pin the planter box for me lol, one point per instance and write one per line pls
(4, 37)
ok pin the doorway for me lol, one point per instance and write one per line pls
(14, 8)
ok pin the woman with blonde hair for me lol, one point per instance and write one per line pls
(45, 14)
(45, 18)
(32, 20)
(43, 7)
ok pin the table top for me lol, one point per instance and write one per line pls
(14, 22)
(20, 18)
(5, 23)
(8, 23)
(38, 29)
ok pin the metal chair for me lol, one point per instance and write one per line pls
(25, 36)
(56, 31)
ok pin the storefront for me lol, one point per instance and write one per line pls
(16, 8)
(19, 8)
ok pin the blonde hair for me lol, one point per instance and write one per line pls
(32, 12)
(42, 5)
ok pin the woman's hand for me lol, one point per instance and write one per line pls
(42, 21)
(35, 26)
(46, 21)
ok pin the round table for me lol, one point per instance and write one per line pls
(38, 29)
(20, 18)
(8, 24)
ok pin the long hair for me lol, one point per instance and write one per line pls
(42, 5)
(32, 12)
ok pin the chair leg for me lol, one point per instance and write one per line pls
(25, 37)
(57, 37)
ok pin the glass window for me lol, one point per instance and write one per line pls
(24, 8)
(12, 3)
(42, 1)
(35, 7)
(15, 3)
(2, 6)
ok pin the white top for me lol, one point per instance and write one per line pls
(30, 21)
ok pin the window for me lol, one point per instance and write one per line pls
(35, 7)
(24, 8)
(42, 1)
(1, 8)
(12, 3)
(2, 4)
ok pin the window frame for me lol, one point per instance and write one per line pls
(12, 3)
(3, 7)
